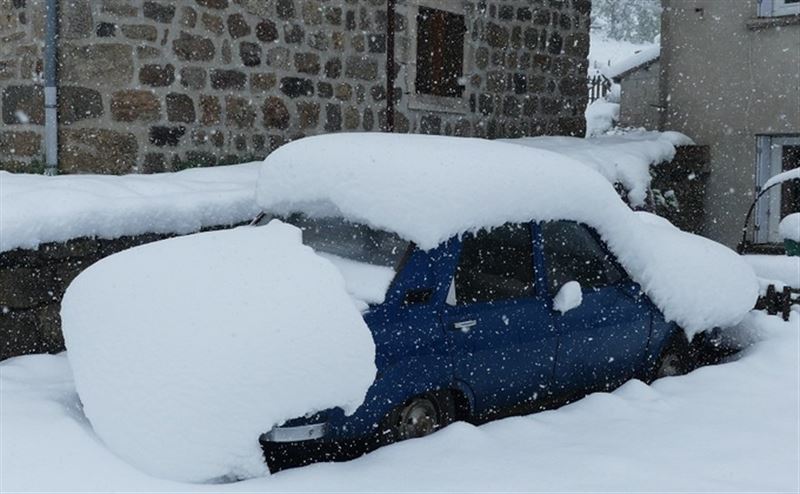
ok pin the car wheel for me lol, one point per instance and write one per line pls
(420, 416)
(675, 359)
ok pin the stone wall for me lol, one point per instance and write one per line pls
(147, 86)
(32, 284)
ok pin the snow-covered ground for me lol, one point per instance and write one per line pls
(733, 427)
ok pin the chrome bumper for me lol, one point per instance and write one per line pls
(295, 434)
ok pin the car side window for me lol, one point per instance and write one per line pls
(495, 265)
(575, 253)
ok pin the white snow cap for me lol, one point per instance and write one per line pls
(792, 174)
(623, 158)
(38, 209)
(184, 351)
(430, 188)
(641, 57)
(790, 227)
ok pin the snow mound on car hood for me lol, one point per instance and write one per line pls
(430, 188)
(184, 351)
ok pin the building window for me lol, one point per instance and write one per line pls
(773, 8)
(440, 53)
(776, 154)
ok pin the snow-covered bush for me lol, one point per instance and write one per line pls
(790, 227)
(184, 351)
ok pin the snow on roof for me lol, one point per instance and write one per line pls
(793, 174)
(35, 209)
(643, 57)
(624, 158)
(428, 189)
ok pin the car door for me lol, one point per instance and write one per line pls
(503, 343)
(603, 341)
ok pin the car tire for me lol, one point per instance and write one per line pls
(419, 417)
(675, 359)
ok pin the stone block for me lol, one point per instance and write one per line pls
(97, 65)
(239, 112)
(213, 4)
(77, 103)
(228, 79)
(180, 108)
(141, 32)
(307, 63)
(97, 151)
(23, 105)
(166, 136)
(157, 75)
(106, 30)
(121, 8)
(293, 33)
(361, 68)
(238, 26)
(190, 47)
(295, 87)
(577, 45)
(275, 113)
(496, 35)
(135, 105)
(76, 19)
(159, 12)
(333, 117)
(307, 114)
(262, 82)
(188, 17)
(20, 143)
(210, 110)
(352, 118)
(250, 53)
(333, 68)
(266, 31)
(343, 91)
(213, 23)
(285, 9)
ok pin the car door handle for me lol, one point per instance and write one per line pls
(465, 325)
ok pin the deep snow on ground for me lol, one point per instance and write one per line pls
(182, 361)
(730, 427)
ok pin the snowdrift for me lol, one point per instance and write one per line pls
(623, 158)
(38, 209)
(184, 351)
(428, 189)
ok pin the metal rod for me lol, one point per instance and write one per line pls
(390, 70)
(50, 88)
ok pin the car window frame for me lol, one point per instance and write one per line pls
(534, 279)
(611, 259)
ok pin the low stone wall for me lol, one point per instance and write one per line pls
(32, 283)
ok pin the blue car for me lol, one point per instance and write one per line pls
(468, 331)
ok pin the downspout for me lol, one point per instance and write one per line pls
(390, 70)
(50, 88)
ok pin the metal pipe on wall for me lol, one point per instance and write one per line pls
(390, 70)
(50, 88)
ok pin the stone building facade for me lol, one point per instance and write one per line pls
(148, 86)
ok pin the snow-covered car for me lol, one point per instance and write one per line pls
(441, 279)
(494, 279)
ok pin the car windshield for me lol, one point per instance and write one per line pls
(352, 241)
(367, 258)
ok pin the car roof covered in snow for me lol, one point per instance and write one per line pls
(428, 189)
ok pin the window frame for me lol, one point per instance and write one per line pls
(777, 8)
(768, 164)
(611, 259)
(429, 102)
(453, 297)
